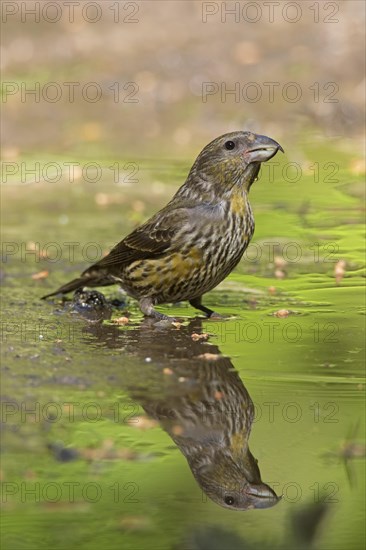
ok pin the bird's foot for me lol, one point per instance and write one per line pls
(161, 317)
(210, 314)
(216, 316)
(147, 308)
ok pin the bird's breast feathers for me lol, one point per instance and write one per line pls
(238, 202)
(209, 243)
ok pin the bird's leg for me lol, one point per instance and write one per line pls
(197, 303)
(147, 308)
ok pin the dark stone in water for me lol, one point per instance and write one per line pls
(61, 453)
(91, 304)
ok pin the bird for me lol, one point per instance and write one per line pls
(199, 399)
(210, 418)
(194, 242)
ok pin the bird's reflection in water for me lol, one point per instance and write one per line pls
(200, 401)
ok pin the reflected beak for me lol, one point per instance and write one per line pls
(262, 496)
(262, 149)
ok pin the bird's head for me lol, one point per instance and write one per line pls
(233, 483)
(233, 158)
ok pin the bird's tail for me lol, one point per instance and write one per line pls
(88, 278)
(72, 285)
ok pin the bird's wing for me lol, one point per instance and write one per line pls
(150, 240)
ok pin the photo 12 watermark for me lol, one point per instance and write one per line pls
(269, 12)
(29, 11)
(270, 92)
(69, 92)
(274, 331)
(292, 491)
(70, 412)
(68, 491)
(25, 173)
(288, 253)
(129, 412)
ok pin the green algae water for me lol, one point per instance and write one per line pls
(89, 459)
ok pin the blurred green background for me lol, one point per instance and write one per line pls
(128, 93)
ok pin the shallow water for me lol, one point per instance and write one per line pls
(87, 468)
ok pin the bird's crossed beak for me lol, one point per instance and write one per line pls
(261, 496)
(263, 148)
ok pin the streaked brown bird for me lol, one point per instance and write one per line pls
(196, 240)
(199, 399)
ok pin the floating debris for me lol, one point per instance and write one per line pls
(121, 321)
(279, 274)
(339, 271)
(196, 337)
(40, 275)
(282, 313)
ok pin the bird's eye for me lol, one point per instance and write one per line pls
(229, 501)
(229, 145)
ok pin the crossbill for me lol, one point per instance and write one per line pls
(211, 424)
(194, 242)
(199, 399)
